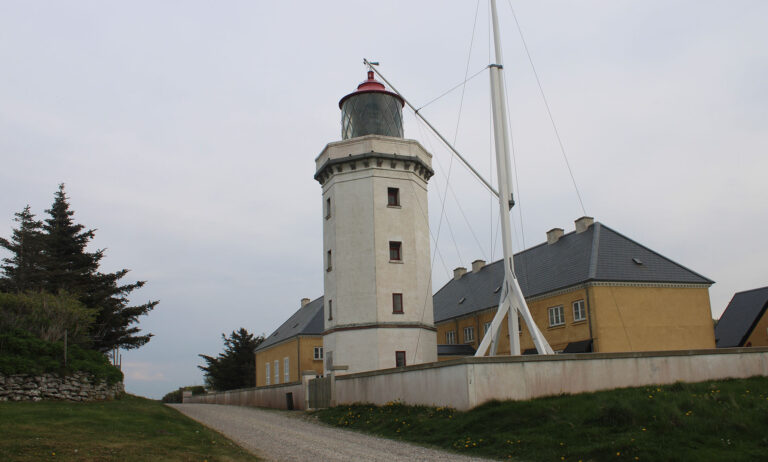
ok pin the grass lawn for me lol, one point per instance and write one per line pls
(709, 421)
(127, 429)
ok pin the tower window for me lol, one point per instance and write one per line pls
(327, 208)
(393, 197)
(395, 253)
(399, 358)
(330, 310)
(397, 303)
(329, 263)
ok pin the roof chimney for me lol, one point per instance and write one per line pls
(583, 223)
(554, 235)
(304, 302)
(459, 272)
(477, 265)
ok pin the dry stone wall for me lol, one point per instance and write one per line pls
(76, 387)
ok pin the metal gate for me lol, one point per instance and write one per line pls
(320, 393)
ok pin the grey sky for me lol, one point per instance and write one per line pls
(186, 134)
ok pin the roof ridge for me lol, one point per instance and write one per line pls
(749, 290)
(658, 254)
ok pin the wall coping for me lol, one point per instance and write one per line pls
(557, 357)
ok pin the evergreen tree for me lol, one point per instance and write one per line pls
(23, 270)
(67, 265)
(235, 367)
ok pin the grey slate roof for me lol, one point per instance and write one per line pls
(740, 317)
(308, 320)
(597, 254)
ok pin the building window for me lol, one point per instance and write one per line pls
(268, 375)
(397, 303)
(399, 358)
(519, 324)
(393, 197)
(318, 353)
(486, 327)
(450, 337)
(329, 262)
(277, 372)
(556, 316)
(579, 312)
(286, 370)
(469, 334)
(330, 310)
(327, 208)
(395, 253)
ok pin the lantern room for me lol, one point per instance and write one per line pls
(371, 110)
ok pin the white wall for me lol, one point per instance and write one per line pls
(466, 383)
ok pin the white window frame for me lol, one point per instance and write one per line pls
(450, 337)
(269, 375)
(469, 334)
(318, 353)
(486, 327)
(579, 308)
(277, 371)
(286, 370)
(556, 316)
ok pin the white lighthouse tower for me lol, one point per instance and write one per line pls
(378, 290)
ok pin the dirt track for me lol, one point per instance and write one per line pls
(286, 436)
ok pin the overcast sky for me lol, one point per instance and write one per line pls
(186, 134)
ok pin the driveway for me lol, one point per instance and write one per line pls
(285, 436)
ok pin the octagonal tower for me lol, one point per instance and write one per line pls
(376, 250)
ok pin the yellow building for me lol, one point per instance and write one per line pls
(744, 322)
(589, 290)
(294, 347)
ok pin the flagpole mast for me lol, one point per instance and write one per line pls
(511, 301)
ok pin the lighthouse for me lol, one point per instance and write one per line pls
(376, 248)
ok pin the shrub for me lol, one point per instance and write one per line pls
(45, 315)
(23, 353)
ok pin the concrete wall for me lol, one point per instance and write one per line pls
(466, 383)
(272, 396)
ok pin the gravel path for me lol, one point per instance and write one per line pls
(286, 436)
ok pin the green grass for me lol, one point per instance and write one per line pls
(709, 421)
(127, 429)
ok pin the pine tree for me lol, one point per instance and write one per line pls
(235, 367)
(67, 266)
(23, 271)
